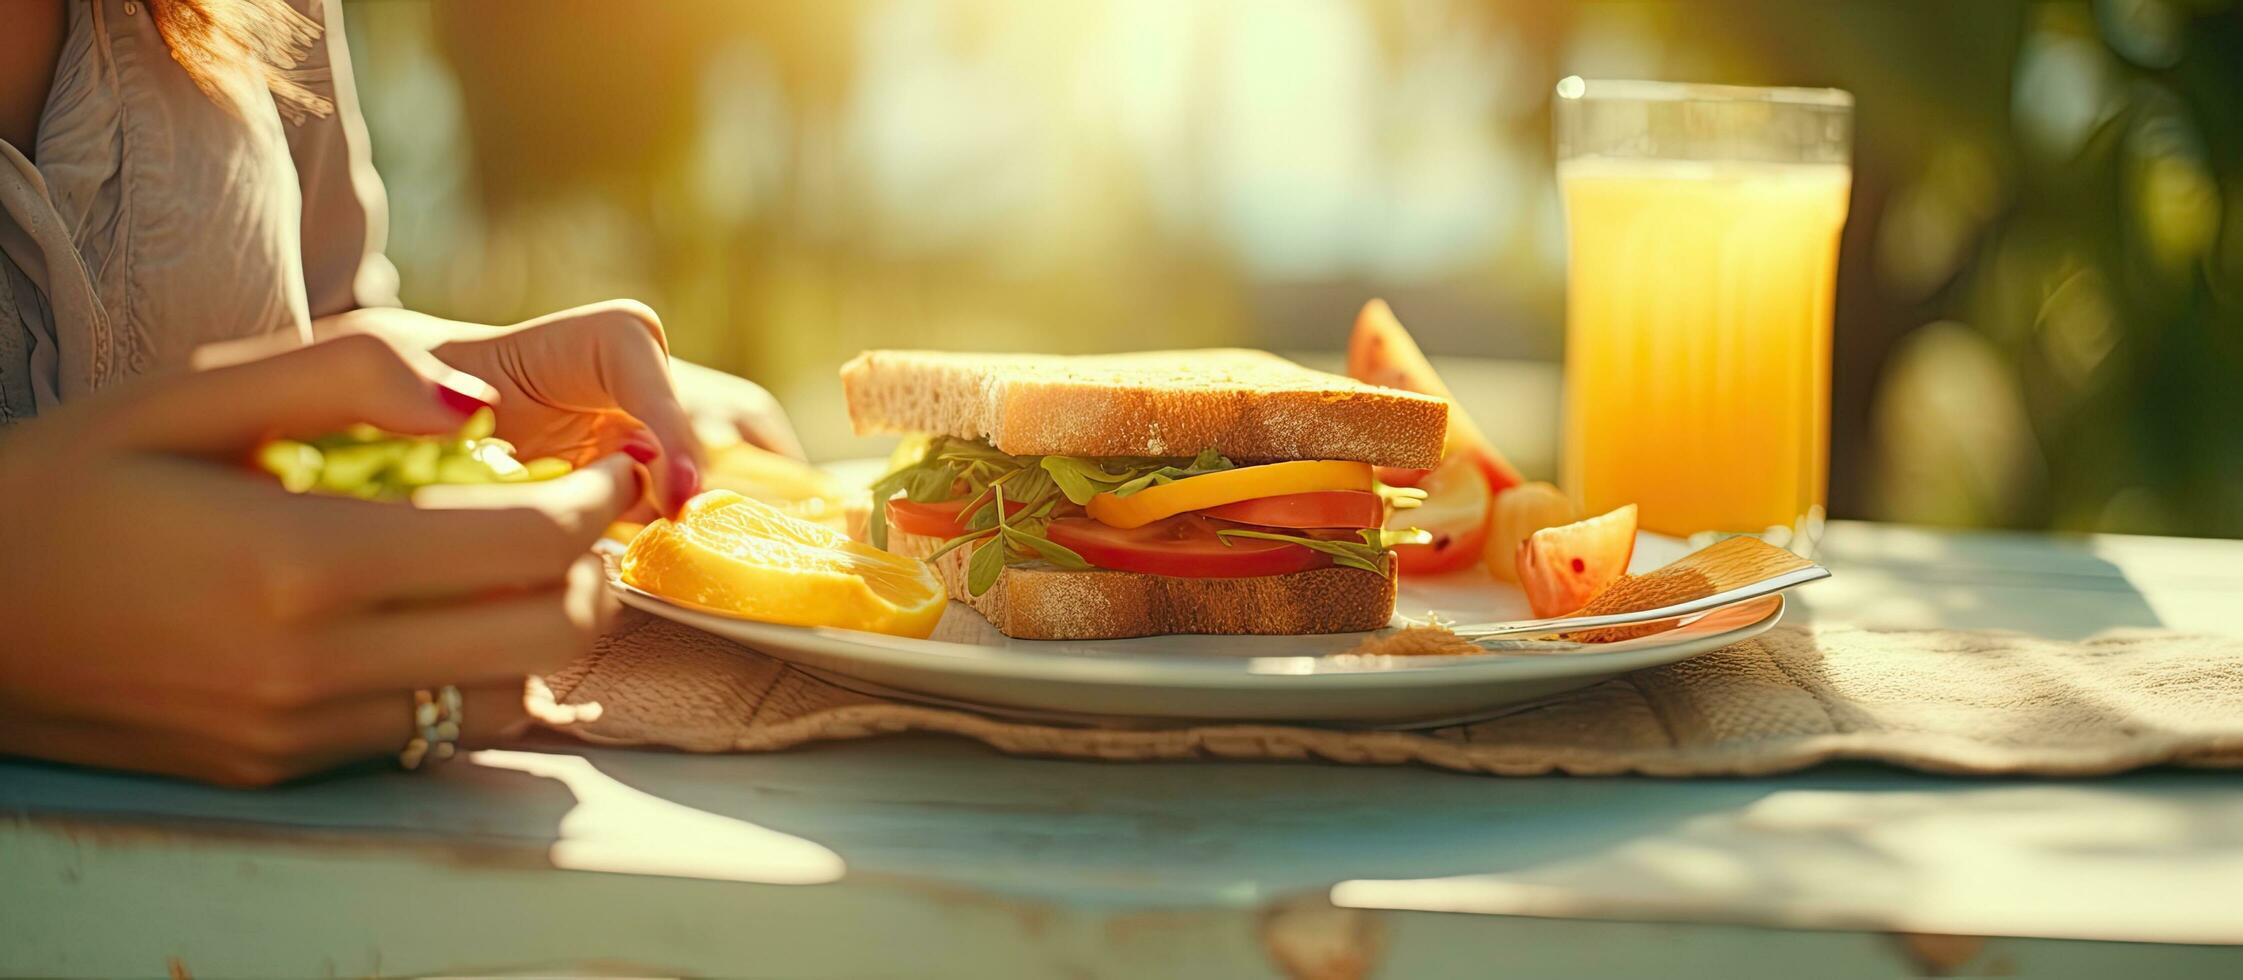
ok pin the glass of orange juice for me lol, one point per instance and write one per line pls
(1702, 228)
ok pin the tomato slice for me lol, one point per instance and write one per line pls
(1323, 508)
(1184, 546)
(943, 519)
(1455, 512)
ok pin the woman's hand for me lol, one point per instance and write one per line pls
(168, 610)
(578, 384)
(585, 382)
(737, 409)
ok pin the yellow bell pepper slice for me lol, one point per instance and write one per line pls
(1226, 487)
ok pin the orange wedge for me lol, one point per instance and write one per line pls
(737, 556)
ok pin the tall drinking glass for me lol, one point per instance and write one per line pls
(1702, 230)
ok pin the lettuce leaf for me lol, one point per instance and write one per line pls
(1368, 554)
(1081, 479)
(947, 469)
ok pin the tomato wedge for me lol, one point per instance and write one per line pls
(1379, 351)
(1323, 508)
(1184, 546)
(1562, 568)
(944, 519)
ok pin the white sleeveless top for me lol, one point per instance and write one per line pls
(156, 220)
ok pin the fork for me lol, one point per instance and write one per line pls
(1723, 574)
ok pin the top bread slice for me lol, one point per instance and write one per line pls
(1249, 405)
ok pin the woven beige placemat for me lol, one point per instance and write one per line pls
(1942, 701)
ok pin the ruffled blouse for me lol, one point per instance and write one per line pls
(157, 219)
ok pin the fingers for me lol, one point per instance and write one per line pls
(638, 377)
(315, 390)
(613, 356)
(728, 408)
(251, 748)
(771, 430)
(455, 540)
(467, 643)
(380, 724)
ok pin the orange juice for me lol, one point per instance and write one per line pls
(1697, 366)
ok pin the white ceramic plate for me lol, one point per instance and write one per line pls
(1301, 679)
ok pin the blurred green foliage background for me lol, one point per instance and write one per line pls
(2040, 319)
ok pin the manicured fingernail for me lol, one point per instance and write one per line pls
(685, 482)
(458, 401)
(644, 452)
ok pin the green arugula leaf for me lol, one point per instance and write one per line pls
(959, 541)
(983, 518)
(930, 485)
(987, 563)
(946, 466)
(1208, 461)
(1368, 555)
(1082, 479)
(1047, 549)
(1381, 538)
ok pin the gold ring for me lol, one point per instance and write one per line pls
(436, 727)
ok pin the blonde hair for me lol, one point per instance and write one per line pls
(268, 38)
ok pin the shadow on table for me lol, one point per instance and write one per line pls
(1914, 578)
(1141, 833)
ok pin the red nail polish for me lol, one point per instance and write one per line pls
(685, 482)
(457, 400)
(644, 452)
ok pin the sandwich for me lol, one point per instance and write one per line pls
(1092, 497)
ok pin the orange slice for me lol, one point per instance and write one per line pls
(737, 556)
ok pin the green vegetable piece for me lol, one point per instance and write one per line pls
(1369, 555)
(945, 468)
(463, 469)
(479, 425)
(1047, 549)
(987, 563)
(417, 466)
(296, 464)
(547, 467)
(352, 470)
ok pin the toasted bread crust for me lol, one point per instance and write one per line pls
(1042, 602)
(1251, 406)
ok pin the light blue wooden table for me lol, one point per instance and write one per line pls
(948, 859)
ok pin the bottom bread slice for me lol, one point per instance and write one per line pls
(1040, 601)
